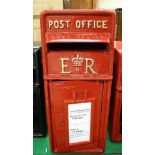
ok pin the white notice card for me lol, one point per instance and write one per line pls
(79, 116)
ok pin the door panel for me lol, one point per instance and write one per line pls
(80, 101)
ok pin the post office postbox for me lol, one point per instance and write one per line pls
(116, 97)
(78, 51)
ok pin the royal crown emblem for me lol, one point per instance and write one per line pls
(77, 61)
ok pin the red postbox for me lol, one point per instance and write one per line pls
(116, 96)
(77, 52)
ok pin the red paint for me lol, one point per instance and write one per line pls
(116, 98)
(87, 82)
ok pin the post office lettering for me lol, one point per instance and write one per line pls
(97, 24)
(58, 24)
(79, 24)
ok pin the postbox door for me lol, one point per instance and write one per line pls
(76, 111)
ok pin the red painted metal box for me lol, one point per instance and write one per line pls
(78, 51)
(116, 97)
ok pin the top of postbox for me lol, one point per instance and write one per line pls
(77, 44)
(83, 23)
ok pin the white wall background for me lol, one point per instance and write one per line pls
(109, 4)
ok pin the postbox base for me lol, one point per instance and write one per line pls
(97, 150)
